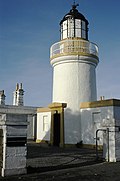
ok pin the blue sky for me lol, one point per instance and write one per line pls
(29, 27)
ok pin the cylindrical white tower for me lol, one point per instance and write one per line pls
(74, 59)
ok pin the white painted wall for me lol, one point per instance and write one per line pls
(43, 126)
(102, 118)
(117, 135)
(93, 119)
(32, 127)
(72, 127)
(14, 157)
(74, 80)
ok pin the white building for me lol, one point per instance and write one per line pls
(18, 109)
(75, 117)
(74, 59)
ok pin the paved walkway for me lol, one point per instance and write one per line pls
(51, 158)
(56, 164)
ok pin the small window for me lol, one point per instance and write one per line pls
(45, 123)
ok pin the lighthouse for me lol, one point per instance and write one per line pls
(74, 59)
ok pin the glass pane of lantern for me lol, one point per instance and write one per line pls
(64, 29)
(70, 27)
(83, 25)
(77, 23)
(65, 25)
(78, 33)
(83, 34)
(64, 34)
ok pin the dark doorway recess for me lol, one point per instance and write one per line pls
(56, 129)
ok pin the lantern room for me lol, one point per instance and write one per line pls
(74, 25)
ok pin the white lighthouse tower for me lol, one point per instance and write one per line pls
(74, 59)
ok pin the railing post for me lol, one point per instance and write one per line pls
(96, 145)
(108, 142)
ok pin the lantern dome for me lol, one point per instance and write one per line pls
(74, 24)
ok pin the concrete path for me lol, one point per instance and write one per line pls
(56, 164)
(53, 158)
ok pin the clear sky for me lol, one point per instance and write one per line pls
(29, 27)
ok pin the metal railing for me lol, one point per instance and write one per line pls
(72, 46)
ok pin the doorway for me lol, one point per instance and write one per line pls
(56, 129)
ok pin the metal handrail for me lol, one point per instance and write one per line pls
(72, 46)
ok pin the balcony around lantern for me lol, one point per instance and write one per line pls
(73, 47)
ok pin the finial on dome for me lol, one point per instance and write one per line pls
(74, 5)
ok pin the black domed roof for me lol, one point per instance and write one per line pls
(75, 14)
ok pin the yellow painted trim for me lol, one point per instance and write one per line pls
(42, 141)
(57, 105)
(38, 141)
(101, 103)
(74, 38)
(44, 109)
(76, 53)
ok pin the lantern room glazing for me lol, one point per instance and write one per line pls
(74, 25)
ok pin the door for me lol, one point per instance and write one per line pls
(96, 126)
(56, 129)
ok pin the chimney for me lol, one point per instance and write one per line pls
(2, 97)
(18, 95)
(102, 98)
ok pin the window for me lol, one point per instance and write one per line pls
(45, 123)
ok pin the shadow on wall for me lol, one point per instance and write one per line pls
(77, 128)
(53, 132)
(72, 126)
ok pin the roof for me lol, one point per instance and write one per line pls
(75, 14)
(101, 103)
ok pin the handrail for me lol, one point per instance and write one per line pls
(72, 46)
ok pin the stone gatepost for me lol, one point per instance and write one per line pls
(13, 149)
(111, 144)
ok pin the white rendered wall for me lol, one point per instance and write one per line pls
(117, 135)
(32, 127)
(14, 157)
(93, 119)
(72, 127)
(74, 81)
(43, 131)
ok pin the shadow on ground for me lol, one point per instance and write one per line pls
(41, 159)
